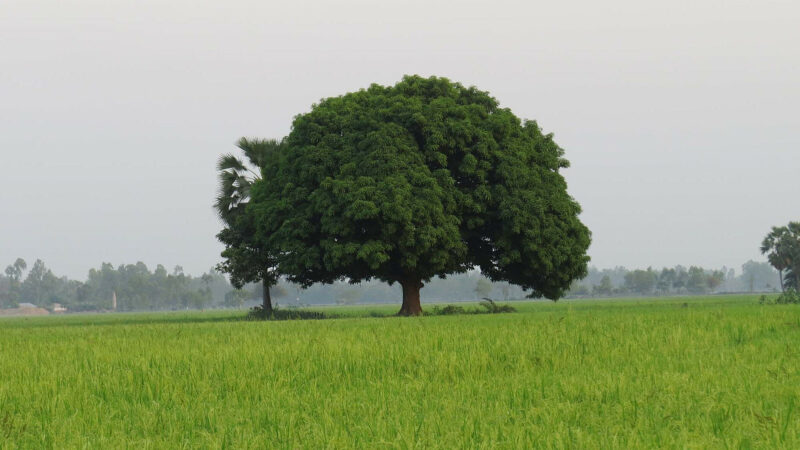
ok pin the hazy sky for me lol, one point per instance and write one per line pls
(680, 118)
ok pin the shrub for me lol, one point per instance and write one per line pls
(790, 296)
(257, 313)
(494, 308)
(448, 310)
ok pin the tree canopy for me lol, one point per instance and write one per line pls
(421, 179)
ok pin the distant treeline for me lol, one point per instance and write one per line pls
(136, 287)
(678, 280)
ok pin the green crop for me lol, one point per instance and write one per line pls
(675, 373)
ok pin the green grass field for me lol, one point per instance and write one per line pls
(683, 372)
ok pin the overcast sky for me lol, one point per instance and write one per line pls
(680, 118)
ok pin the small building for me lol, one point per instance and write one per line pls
(57, 308)
(27, 305)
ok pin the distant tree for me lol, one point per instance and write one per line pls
(207, 278)
(5, 291)
(506, 290)
(422, 179)
(38, 284)
(579, 289)
(758, 275)
(696, 281)
(14, 271)
(641, 281)
(605, 287)
(246, 259)
(681, 280)
(278, 291)
(483, 288)
(11, 288)
(196, 299)
(347, 296)
(782, 247)
(714, 279)
(237, 297)
(666, 280)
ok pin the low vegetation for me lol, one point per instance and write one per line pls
(790, 296)
(686, 372)
(259, 313)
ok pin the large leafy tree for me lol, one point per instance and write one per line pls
(782, 247)
(246, 260)
(421, 179)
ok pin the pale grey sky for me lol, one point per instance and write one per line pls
(680, 118)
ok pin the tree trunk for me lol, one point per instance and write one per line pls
(267, 299)
(411, 306)
(780, 277)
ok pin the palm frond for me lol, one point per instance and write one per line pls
(229, 162)
(236, 175)
(258, 151)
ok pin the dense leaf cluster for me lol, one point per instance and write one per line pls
(421, 179)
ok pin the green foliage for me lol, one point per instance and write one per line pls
(782, 247)
(788, 297)
(579, 374)
(421, 179)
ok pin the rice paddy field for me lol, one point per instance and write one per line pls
(708, 372)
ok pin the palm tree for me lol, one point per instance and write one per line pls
(245, 263)
(782, 247)
(15, 270)
(236, 176)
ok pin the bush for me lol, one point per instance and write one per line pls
(490, 307)
(257, 313)
(790, 297)
(494, 308)
(448, 310)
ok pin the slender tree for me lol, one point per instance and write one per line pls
(245, 259)
(421, 179)
(14, 271)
